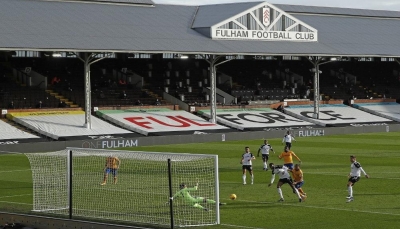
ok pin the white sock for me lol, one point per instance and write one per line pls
(297, 192)
(252, 178)
(350, 189)
(280, 193)
(244, 178)
(265, 165)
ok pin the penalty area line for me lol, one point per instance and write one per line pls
(326, 208)
(237, 226)
(342, 209)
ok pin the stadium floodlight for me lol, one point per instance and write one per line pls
(56, 54)
(68, 182)
(183, 56)
(334, 59)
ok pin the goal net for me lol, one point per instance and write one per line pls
(70, 182)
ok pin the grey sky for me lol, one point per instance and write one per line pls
(358, 4)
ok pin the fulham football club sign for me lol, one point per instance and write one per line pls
(264, 22)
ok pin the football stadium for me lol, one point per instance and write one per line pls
(133, 114)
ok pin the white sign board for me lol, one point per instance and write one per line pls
(241, 34)
(268, 118)
(335, 114)
(160, 121)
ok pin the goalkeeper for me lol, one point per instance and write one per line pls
(193, 200)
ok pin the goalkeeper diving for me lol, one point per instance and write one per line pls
(194, 201)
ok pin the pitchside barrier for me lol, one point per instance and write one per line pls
(109, 143)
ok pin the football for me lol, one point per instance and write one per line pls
(232, 197)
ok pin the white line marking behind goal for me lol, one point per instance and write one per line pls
(16, 195)
(8, 202)
(8, 171)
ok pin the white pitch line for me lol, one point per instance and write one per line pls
(336, 173)
(8, 202)
(11, 171)
(327, 208)
(345, 175)
(237, 226)
(15, 195)
(349, 210)
(8, 152)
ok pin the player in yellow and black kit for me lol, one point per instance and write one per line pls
(112, 166)
(298, 179)
(287, 157)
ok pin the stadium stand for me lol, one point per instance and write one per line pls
(255, 80)
(183, 79)
(13, 95)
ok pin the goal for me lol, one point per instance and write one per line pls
(68, 182)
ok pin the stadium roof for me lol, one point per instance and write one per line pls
(77, 26)
(138, 2)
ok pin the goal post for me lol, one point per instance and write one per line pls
(70, 182)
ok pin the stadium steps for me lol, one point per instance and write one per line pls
(62, 98)
(154, 95)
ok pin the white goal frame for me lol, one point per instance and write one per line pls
(56, 184)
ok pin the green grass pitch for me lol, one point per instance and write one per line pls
(325, 166)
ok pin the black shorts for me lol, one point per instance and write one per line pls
(289, 144)
(265, 157)
(354, 179)
(286, 181)
(247, 167)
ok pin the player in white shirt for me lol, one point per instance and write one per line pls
(247, 157)
(284, 178)
(288, 138)
(354, 176)
(265, 148)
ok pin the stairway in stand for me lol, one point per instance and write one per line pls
(61, 98)
(152, 96)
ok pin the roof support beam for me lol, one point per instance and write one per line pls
(257, 21)
(88, 60)
(292, 26)
(240, 24)
(213, 61)
(316, 61)
(274, 22)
